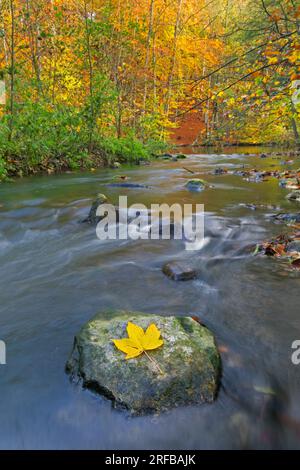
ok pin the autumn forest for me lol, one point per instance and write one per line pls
(150, 228)
(91, 81)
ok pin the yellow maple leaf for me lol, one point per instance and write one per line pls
(139, 342)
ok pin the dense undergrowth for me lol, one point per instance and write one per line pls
(50, 140)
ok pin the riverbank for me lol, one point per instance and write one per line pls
(24, 159)
(106, 152)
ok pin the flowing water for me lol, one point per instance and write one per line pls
(55, 275)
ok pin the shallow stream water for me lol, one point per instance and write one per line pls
(55, 275)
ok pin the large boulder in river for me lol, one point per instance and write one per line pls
(188, 358)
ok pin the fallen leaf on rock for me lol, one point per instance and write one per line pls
(138, 341)
(223, 348)
(197, 319)
(296, 262)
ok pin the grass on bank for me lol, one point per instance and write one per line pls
(57, 139)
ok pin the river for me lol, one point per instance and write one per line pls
(55, 275)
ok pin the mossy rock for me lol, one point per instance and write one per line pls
(92, 218)
(196, 185)
(294, 196)
(188, 358)
(115, 165)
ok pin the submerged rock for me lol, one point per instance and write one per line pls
(257, 176)
(143, 162)
(188, 358)
(127, 185)
(165, 227)
(179, 271)
(181, 156)
(252, 207)
(288, 218)
(293, 246)
(196, 185)
(294, 196)
(219, 171)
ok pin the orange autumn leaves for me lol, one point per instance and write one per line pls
(280, 247)
(139, 341)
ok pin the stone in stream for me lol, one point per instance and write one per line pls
(196, 185)
(92, 218)
(293, 246)
(179, 271)
(252, 207)
(143, 162)
(115, 165)
(181, 156)
(188, 358)
(294, 196)
(128, 185)
(219, 171)
(288, 218)
(257, 177)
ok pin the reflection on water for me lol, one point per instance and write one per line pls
(55, 274)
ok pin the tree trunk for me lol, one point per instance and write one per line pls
(91, 77)
(150, 32)
(173, 58)
(294, 126)
(34, 48)
(12, 70)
